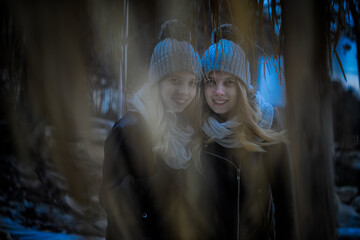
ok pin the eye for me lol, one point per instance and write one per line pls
(175, 81)
(193, 83)
(210, 82)
(229, 82)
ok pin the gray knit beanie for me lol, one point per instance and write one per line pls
(226, 56)
(173, 53)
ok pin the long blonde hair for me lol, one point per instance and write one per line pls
(250, 115)
(147, 101)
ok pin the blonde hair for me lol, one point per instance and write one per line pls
(147, 101)
(250, 115)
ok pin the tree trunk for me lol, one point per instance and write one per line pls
(309, 119)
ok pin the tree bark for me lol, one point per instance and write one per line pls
(308, 89)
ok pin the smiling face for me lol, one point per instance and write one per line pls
(221, 93)
(177, 90)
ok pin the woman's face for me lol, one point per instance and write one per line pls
(221, 93)
(178, 89)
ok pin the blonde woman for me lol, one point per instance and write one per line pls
(244, 164)
(150, 148)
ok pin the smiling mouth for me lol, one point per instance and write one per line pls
(180, 100)
(220, 101)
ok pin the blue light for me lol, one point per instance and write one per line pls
(349, 63)
(269, 84)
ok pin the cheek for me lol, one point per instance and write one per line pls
(193, 93)
(207, 93)
(165, 91)
(233, 92)
(236, 94)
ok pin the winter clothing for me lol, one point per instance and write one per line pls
(248, 195)
(172, 54)
(140, 192)
(227, 56)
(222, 133)
(267, 111)
(179, 143)
(179, 153)
(143, 192)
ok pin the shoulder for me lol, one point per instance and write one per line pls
(131, 125)
(276, 154)
(130, 119)
(214, 148)
(131, 122)
(276, 149)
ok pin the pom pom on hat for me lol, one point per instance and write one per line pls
(225, 31)
(226, 56)
(173, 53)
(174, 29)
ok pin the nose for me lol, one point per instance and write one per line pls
(184, 89)
(219, 90)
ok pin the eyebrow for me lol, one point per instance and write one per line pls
(173, 75)
(178, 76)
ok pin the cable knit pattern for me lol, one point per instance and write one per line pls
(222, 133)
(180, 138)
(228, 57)
(171, 55)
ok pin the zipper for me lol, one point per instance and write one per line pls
(238, 179)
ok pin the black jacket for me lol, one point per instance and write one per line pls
(139, 191)
(247, 195)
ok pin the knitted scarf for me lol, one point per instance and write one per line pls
(222, 133)
(179, 152)
(179, 144)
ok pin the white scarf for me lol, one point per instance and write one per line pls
(179, 144)
(222, 133)
(180, 152)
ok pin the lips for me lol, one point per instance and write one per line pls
(220, 101)
(180, 100)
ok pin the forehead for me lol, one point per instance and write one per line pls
(220, 75)
(182, 74)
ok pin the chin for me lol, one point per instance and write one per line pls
(217, 111)
(179, 110)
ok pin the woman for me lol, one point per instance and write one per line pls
(244, 164)
(148, 150)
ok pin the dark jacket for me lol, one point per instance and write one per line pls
(248, 195)
(139, 191)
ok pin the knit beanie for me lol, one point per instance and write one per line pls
(226, 56)
(173, 53)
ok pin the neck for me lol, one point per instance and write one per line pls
(220, 118)
(226, 116)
